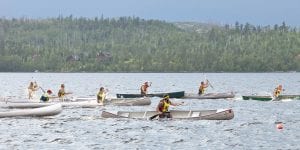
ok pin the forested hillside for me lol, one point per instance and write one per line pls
(131, 44)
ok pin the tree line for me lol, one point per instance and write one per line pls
(132, 44)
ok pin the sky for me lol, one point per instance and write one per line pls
(256, 12)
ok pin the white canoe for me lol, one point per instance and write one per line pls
(84, 104)
(80, 99)
(209, 96)
(221, 114)
(35, 112)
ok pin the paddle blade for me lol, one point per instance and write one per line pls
(154, 116)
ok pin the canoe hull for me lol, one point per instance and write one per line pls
(130, 101)
(293, 97)
(225, 114)
(258, 98)
(179, 94)
(36, 112)
(209, 96)
(84, 104)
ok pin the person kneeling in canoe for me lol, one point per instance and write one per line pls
(31, 89)
(277, 91)
(202, 87)
(61, 93)
(46, 96)
(163, 107)
(144, 88)
(101, 95)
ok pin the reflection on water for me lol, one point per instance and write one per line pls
(252, 128)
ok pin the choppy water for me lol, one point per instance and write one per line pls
(253, 126)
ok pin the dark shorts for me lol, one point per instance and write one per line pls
(44, 99)
(165, 115)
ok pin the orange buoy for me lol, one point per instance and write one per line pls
(279, 126)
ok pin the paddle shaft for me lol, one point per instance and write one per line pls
(208, 81)
(42, 89)
(210, 84)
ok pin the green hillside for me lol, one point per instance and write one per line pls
(131, 44)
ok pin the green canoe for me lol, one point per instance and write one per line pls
(258, 98)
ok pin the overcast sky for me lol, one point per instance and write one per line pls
(257, 12)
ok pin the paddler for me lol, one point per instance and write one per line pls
(277, 91)
(46, 96)
(144, 88)
(101, 95)
(202, 87)
(61, 93)
(31, 89)
(163, 107)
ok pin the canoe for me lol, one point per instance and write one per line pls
(269, 98)
(258, 98)
(283, 97)
(84, 104)
(209, 96)
(179, 94)
(295, 97)
(221, 114)
(35, 112)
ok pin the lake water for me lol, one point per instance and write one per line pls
(253, 126)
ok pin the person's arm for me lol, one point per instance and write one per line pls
(159, 106)
(98, 96)
(103, 97)
(176, 104)
(206, 84)
(68, 93)
(35, 86)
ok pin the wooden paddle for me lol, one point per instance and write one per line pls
(154, 116)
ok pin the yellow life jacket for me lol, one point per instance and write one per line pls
(61, 93)
(100, 97)
(277, 92)
(201, 90)
(165, 107)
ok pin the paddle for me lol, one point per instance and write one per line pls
(42, 89)
(154, 116)
(208, 82)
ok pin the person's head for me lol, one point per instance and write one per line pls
(280, 87)
(49, 91)
(31, 84)
(102, 89)
(35, 84)
(202, 83)
(166, 97)
(62, 86)
(146, 83)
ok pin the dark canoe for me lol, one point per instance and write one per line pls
(209, 96)
(258, 98)
(221, 114)
(179, 94)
